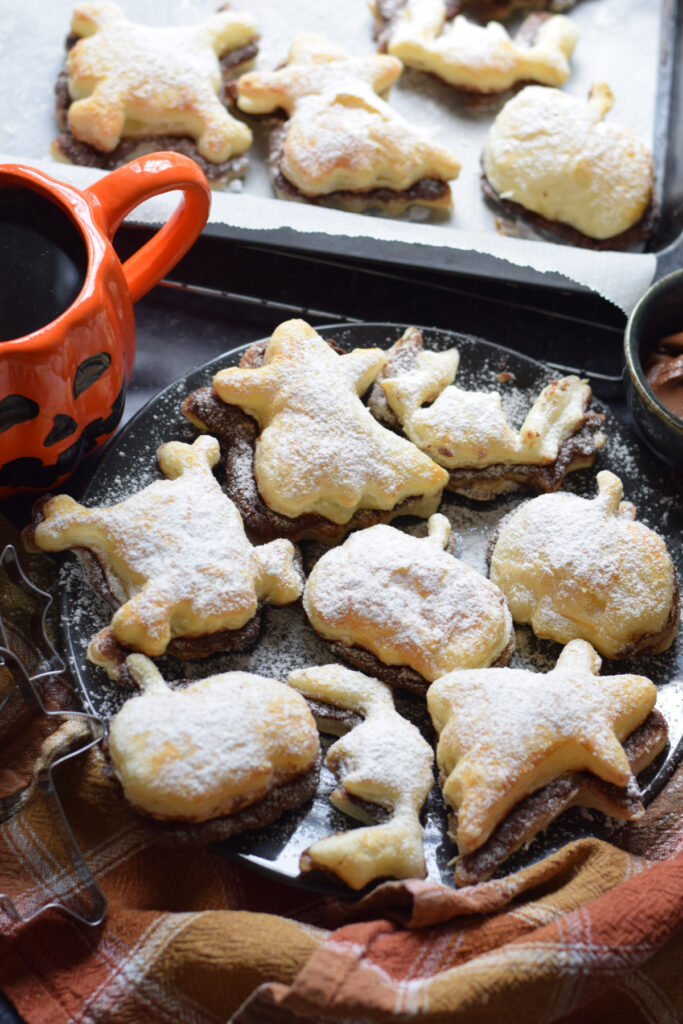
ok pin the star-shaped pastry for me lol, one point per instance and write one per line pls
(504, 733)
(384, 768)
(479, 58)
(127, 79)
(341, 135)
(175, 555)
(320, 449)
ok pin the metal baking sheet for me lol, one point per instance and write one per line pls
(636, 47)
(287, 642)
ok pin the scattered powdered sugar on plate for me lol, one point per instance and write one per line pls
(288, 642)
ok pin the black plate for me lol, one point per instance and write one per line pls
(287, 642)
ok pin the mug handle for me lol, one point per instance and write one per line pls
(126, 187)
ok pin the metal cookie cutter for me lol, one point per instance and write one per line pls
(69, 885)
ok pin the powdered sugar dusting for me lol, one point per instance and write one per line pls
(407, 601)
(287, 641)
(503, 732)
(197, 752)
(552, 154)
(175, 553)
(320, 449)
(577, 567)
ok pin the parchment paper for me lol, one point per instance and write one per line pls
(619, 42)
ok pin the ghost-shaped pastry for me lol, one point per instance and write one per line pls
(320, 449)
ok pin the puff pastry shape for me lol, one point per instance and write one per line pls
(504, 733)
(578, 567)
(127, 79)
(341, 136)
(320, 450)
(384, 770)
(477, 58)
(175, 555)
(408, 601)
(210, 749)
(469, 430)
(554, 155)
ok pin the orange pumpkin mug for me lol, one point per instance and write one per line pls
(67, 330)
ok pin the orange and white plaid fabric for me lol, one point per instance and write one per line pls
(592, 933)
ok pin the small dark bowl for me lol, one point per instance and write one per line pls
(658, 313)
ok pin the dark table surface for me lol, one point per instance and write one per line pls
(224, 295)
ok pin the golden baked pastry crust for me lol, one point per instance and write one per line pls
(468, 432)
(477, 58)
(320, 450)
(128, 80)
(553, 154)
(341, 138)
(238, 433)
(576, 567)
(384, 772)
(210, 749)
(408, 601)
(505, 733)
(175, 555)
(534, 813)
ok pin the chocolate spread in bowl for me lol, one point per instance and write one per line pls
(664, 372)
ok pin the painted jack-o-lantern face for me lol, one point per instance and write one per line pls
(67, 332)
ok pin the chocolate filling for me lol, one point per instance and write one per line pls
(283, 797)
(578, 451)
(368, 813)
(88, 156)
(113, 654)
(333, 719)
(428, 191)
(498, 10)
(401, 676)
(573, 789)
(555, 228)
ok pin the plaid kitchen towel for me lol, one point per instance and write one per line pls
(591, 933)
